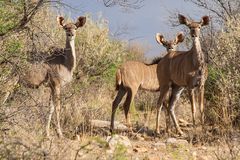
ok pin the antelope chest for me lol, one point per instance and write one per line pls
(61, 74)
(65, 75)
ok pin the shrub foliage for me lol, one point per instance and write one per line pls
(223, 84)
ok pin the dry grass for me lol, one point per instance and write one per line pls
(90, 94)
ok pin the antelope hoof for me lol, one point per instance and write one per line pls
(111, 131)
(145, 129)
(47, 133)
(130, 129)
(59, 132)
(168, 132)
(180, 132)
(194, 126)
(156, 133)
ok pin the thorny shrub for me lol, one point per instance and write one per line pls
(223, 84)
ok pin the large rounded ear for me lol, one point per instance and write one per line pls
(60, 20)
(183, 20)
(205, 20)
(160, 39)
(80, 21)
(180, 37)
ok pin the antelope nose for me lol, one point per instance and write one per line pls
(193, 34)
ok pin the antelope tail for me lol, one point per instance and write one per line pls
(118, 79)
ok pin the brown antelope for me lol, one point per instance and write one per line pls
(134, 75)
(199, 91)
(179, 69)
(57, 70)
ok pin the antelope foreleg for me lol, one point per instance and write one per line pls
(176, 92)
(193, 106)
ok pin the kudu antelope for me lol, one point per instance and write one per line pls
(57, 70)
(134, 75)
(199, 90)
(179, 69)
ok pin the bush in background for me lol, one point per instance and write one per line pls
(223, 84)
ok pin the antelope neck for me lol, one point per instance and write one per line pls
(198, 58)
(70, 53)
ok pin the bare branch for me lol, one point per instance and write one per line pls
(134, 4)
(223, 9)
(30, 9)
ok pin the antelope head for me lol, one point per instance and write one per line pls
(170, 45)
(194, 26)
(70, 28)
